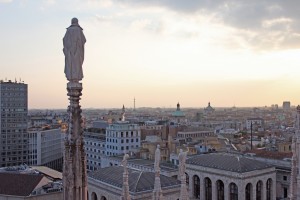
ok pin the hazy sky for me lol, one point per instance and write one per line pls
(228, 52)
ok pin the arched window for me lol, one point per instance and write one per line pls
(259, 190)
(233, 191)
(269, 189)
(196, 181)
(187, 179)
(248, 191)
(208, 194)
(220, 190)
(94, 196)
(103, 198)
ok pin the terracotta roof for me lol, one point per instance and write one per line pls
(18, 184)
(271, 154)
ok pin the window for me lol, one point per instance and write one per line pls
(196, 181)
(285, 192)
(285, 178)
(220, 190)
(233, 191)
(258, 190)
(208, 192)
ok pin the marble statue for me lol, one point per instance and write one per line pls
(157, 157)
(124, 161)
(74, 166)
(74, 41)
(183, 189)
(157, 191)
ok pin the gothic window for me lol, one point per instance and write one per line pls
(233, 191)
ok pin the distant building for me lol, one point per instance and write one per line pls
(13, 123)
(122, 137)
(178, 116)
(94, 146)
(256, 123)
(209, 110)
(46, 148)
(286, 105)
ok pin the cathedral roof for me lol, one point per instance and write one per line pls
(139, 181)
(227, 162)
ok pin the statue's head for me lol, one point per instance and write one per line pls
(74, 21)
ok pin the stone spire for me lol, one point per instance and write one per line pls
(125, 192)
(123, 113)
(295, 175)
(183, 190)
(74, 169)
(157, 192)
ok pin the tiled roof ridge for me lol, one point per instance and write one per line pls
(136, 183)
(239, 163)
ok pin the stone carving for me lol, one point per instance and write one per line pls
(157, 158)
(157, 191)
(74, 41)
(74, 170)
(295, 172)
(124, 161)
(183, 190)
(125, 192)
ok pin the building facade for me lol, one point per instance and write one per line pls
(229, 177)
(122, 137)
(13, 123)
(94, 145)
(46, 148)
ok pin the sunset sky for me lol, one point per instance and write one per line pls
(228, 52)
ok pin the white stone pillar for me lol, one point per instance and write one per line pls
(214, 189)
(264, 191)
(226, 190)
(254, 191)
(241, 191)
(191, 185)
(273, 192)
(202, 188)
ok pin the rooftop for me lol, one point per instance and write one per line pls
(227, 162)
(139, 181)
(18, 184)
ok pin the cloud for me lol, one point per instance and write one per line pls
(273, 24)
(6, 1)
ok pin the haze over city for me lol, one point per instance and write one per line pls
(243, 53)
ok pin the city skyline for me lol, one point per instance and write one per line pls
(160, 52)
